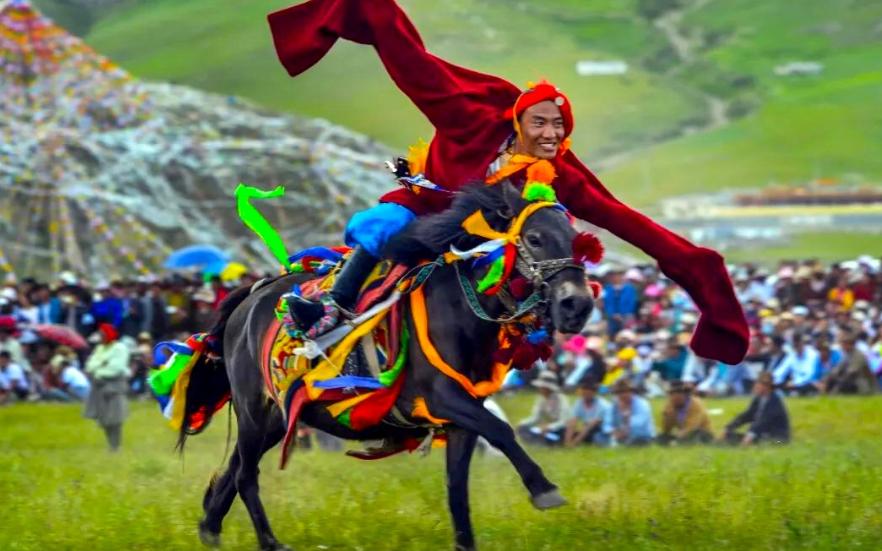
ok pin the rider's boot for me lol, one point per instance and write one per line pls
(316, 318)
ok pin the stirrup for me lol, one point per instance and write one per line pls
(328, 321)
(326, 315)
(303, 312)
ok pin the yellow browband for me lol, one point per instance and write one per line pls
(476, 224)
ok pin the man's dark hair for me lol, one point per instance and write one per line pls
(589, 383)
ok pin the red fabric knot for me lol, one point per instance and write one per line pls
(587, 248)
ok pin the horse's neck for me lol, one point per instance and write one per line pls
(466, 341)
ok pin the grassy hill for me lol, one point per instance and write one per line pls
(699, 109)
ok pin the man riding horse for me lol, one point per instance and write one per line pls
(487, 130)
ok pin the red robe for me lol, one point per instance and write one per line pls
(467, 110)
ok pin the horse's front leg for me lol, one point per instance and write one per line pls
(460, 446)
(451, 402)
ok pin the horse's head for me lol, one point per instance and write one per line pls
(545, 249)
(539, 239)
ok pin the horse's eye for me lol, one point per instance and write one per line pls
(533, 240)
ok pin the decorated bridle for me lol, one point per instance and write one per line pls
(505, 251)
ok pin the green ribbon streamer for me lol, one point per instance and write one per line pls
(493, 276)
(162, 380)
(344, 418)
(256, 222)
(386, 378)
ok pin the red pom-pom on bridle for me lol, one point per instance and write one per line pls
(587, 248)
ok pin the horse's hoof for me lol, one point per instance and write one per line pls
(548, 500)
(465, 548)
(209, 538)
(276, 546)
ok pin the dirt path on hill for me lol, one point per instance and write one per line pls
(670, 25)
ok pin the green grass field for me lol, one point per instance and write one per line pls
(62, 490)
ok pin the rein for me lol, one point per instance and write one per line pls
(526, 307)
(537, 271)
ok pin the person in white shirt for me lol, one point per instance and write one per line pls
(13, 379)
(9, 343)
(549, 414)
(73, 383)
(76, 382)
(798, 372)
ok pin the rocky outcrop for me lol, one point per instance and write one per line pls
(103, 174)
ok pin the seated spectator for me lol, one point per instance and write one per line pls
(766, 415)
(685, 419)
(841, 296)
(591, 422)
(852, 375)
(71, 383)
(10, 343)
(549, 415)
(672, 359)
(695, 369)
(799, 371)
(13, 379)
(618, 367)
(140, 361)
(619, 302)
(589, 366)
(828, 357)
(631, 416)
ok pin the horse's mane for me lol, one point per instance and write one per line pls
(428, 236)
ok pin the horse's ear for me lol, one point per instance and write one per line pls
(512, 198)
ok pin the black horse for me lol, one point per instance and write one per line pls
(463, 340)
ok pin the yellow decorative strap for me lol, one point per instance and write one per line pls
(420, 409)
(421, 323)
(330, 367)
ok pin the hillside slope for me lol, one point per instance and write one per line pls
(700, 109)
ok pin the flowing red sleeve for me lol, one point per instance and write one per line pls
(457, 101)
(722, 332)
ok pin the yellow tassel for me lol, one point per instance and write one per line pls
(416, 157)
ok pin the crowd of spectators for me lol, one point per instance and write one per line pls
(142, 312)
(815, 329)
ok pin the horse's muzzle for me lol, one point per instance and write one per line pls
(571, 305)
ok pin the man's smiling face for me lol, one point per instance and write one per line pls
(542, 130)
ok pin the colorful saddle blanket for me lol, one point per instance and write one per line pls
(356, 369)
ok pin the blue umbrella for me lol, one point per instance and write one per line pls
(196, 256)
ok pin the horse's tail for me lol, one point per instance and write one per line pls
(209, 386)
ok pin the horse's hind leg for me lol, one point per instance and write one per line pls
(255, 433)
(218, 497)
